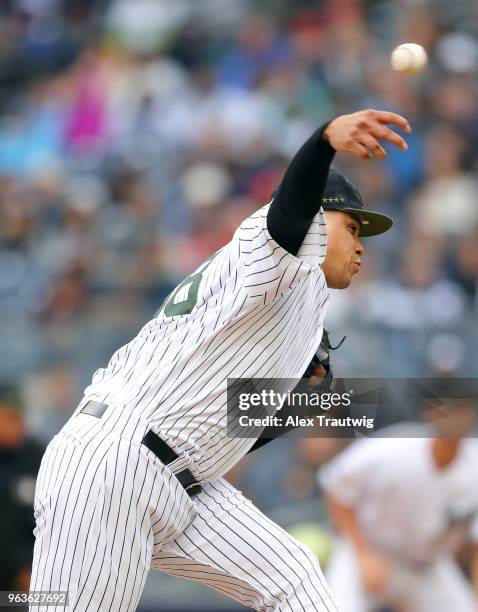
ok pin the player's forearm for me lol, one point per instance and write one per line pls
(345, 520)
(300, 193)
(299, 196)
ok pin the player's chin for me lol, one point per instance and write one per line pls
(350, 275)
(346, 279)
(341, 283)
(341, 280)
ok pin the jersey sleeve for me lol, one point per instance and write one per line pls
(346, 477)
(268, 270)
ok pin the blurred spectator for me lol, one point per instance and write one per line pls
(50, 396)
(445, 205)
(20, 458)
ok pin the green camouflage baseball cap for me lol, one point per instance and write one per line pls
(341, 194)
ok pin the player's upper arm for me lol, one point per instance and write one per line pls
(268, 270)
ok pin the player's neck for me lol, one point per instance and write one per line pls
(444, 451)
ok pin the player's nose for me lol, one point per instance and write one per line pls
(360, 249)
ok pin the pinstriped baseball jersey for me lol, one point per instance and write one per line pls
(251, 310)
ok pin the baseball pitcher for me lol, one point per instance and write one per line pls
(134, 479)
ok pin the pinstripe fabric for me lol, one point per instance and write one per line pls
(107, 509)
(102, 507)
(233, 548)
(259, 313)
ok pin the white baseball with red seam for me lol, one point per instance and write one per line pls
(409, 58)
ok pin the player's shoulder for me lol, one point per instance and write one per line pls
(400, 440)
(256, 218)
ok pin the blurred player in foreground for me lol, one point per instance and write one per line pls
(402, 508)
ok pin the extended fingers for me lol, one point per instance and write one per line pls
(373, 146)
(385, 133)
(361, 151)
(388, 117)
(360, 133)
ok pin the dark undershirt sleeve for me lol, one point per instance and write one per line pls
(299, 196)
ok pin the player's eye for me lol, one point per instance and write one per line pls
(354, 228)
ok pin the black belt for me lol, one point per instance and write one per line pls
(156, 445)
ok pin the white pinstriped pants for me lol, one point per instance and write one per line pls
(108, 510)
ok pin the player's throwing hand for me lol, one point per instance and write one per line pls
(360, 133)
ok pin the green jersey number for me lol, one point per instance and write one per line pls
(183, 299)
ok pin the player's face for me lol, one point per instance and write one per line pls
(344, 249)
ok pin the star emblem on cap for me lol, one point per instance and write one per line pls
(333, 200)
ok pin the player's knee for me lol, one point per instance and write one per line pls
(306, 559)
(302, 573)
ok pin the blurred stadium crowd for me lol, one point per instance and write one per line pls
(135, 136)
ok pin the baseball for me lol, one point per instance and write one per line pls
(409, 58)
